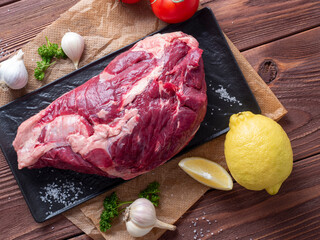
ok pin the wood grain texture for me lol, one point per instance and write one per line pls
(272, 20)
(80, 237)
(272, 30)
(16, 220)
(293, 213)
(22, 20)
(7, 2)
(250, 23)
(297, 86)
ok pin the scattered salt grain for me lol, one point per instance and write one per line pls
(52, 228)
(66, 193)
(225, 96)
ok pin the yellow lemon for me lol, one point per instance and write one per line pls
(258, 152)
(207, 172)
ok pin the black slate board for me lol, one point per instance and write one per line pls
(49, 192)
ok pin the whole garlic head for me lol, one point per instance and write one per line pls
(13, 71)
(140, 218)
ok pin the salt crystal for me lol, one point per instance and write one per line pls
(225, 96)
(65, 194)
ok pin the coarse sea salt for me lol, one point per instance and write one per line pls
(66, 194)
(225, 96)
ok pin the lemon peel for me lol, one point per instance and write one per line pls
(207, 172)
(258, 152)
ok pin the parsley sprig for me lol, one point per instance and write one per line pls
(151, 193)
(112, 205)
(47, 52)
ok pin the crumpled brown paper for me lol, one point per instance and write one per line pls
(106, 26)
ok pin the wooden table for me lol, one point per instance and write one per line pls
(281, 39)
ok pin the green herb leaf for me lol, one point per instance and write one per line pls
(151, 193)
(47, 52)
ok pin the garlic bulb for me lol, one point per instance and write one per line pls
(73, 45)
(13, 71)
(140, 218)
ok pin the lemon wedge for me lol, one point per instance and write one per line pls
(207, 172)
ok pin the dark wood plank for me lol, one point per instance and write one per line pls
(80, 237)
(251, 23)
(294, 213)
(21, 21)
(296, 84)
(272, 20)
(16, 220)
(7, 2)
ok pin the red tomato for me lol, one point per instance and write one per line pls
(129, 1)
(174, 11)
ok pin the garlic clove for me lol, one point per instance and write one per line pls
(136, 231)
(73, 45)
(13, 71)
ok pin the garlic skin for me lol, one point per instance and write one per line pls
(136, 231)
(13, 71)
(140, 218)
(73, 45)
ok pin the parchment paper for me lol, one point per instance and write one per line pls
(106, 26)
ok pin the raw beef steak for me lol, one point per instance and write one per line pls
(142, 109)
